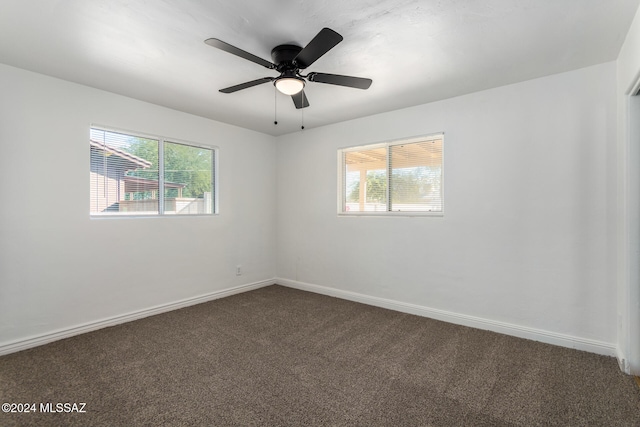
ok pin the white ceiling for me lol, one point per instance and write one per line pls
(416, 51)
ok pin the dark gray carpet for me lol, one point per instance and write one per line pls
(283, 357)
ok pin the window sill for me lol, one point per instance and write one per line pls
(391, 214)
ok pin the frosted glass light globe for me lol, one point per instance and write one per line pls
(289, 85)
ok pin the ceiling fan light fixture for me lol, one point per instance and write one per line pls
(289, 85)
(288, 60)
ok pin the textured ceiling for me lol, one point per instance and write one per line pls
(415, 51)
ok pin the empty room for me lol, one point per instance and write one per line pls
(291, 213)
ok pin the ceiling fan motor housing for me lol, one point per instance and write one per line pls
(284, 55)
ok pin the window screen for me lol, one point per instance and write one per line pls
(187, 179)
(416, 176)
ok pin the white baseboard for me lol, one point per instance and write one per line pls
(38, 340)
(562, 340)
(622, 361)
(548, 337)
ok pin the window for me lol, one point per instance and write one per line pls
(397, 178)
(140, 175)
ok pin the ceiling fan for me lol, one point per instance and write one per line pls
(289, 60)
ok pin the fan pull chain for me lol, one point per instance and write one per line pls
(275, 106)
(302, 111)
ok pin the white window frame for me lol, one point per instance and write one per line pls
(387, 145)
(161, 140)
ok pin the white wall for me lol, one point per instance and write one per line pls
(526, 245)
(59, 269)
(628, 206)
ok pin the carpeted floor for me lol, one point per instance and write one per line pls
(283, 357)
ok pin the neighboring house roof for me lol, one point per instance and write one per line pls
(139, 161)
(133, 184)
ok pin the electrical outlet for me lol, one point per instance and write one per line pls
(238, 270)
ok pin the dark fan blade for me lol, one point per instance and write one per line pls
(336, 79)
(239, 52)
(322, 43)
(300, 100)
(246, 85)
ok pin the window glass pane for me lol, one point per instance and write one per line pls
(409, 175)
(188, 186)
(416, 176)
(365, 180)
(123, 174)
